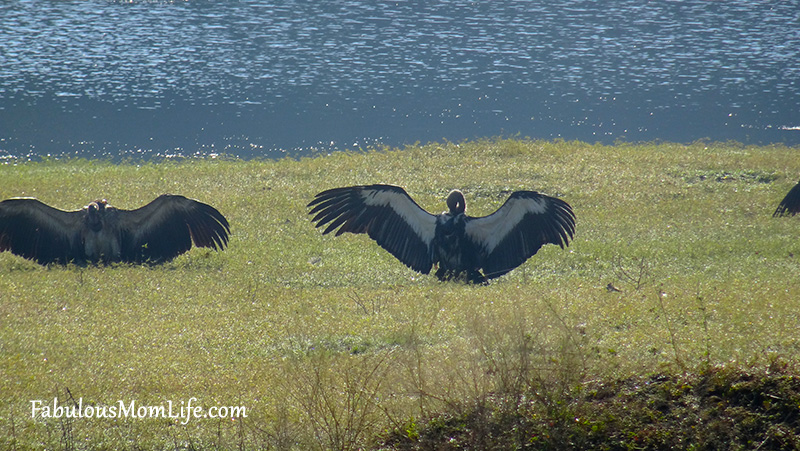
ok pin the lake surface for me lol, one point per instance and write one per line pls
(259, 78)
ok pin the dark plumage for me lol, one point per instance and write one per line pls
(460, 245)
(100, 233)
(790, 205)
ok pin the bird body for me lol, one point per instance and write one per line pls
(99, 242)
(475, 249)
(100, 233)
(790, 205)
(454, 253)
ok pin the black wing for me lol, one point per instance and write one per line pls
(517, 230)
(790, 205)
(166, 227)
(386, 213)
(36, 231)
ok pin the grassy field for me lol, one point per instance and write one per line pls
(331, 343)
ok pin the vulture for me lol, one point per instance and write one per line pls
(467, 248)
(790, 205)
(100, 233)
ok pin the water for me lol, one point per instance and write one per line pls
(259, 78)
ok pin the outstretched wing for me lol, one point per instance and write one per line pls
(790, 205)
(166, 227)
(36, 231)
(515, 232)
(386, 213)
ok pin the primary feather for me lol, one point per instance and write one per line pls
(517, 230)
(384, 212)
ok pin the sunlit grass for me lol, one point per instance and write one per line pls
(329, 341)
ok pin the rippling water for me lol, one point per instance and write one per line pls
(263, 78)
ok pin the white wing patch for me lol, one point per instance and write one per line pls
(491, 230)
(421, 222)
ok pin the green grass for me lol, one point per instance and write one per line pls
(331, 343)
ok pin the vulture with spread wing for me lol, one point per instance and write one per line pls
(460, 245)
(790, 205)
(100, 233)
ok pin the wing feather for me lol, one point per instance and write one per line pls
(167, 226)
(34, 230)
(790, 205)
(517, 230)
(384, 212)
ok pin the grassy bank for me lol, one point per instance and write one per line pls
(329, 342)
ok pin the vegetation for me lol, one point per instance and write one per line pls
(670, 321)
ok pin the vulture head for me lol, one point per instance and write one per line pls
(456, 202)
(100, 233)
(94, 214)
(462, 247)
